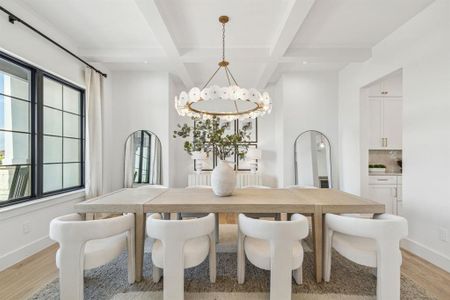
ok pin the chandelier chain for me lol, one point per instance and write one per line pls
(223, 42)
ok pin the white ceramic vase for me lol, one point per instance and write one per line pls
(223, 179)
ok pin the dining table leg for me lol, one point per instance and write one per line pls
(139, 244)
(318, 241)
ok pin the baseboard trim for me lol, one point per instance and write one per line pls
(430, 255)
(13, 257)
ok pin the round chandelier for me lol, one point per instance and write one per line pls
(229, 102)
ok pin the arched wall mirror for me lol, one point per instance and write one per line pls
(142, 159)
(312, 160)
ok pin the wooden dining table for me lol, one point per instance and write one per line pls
(313, 202)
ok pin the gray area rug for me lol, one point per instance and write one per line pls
(348, 281)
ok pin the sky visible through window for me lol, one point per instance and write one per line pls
(2, 115)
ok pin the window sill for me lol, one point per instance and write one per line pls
(29, 206)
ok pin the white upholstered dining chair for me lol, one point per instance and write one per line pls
(184, 215)
(369, 242)
(275, 216)
(274, 246)
(86, 245)
(178, 245)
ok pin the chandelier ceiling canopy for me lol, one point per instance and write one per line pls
(229, 102)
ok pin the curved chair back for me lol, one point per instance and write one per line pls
(293, 230)
(73, 229)
(72, 233)
(381, 228)
(179, 230)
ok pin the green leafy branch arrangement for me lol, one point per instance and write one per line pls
(209, 135)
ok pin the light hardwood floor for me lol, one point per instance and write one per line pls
(22, 280)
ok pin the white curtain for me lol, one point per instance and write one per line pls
(94, 136)
(155, 161)
(130, 154)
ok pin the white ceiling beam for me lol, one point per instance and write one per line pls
(286, 34)
(155, 20)
(327, 54)
(236, 55)
(214, 55)
(124, 55)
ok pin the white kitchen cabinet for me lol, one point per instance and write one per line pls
(375, 121)
(384, 195)
(392, 123)
(385, 123)
(390, 86)
(386, 190)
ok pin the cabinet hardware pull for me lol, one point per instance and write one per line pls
(382, 179)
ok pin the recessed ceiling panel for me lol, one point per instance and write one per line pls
(97, 23)
(354, 23)
(253, 23)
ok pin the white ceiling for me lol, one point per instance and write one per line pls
(265, 38)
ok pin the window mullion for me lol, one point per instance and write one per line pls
(39, 149)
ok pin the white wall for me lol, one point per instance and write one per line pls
(421, 48)
(20, 42)
(144, 100)
(309, 103)
(140, 100)
(181, 162)
(24, 227)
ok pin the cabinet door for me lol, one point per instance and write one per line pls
(375, 124)
(399, 200)
(392, 123)
(391, 86)
(375, 90)
(384, 195)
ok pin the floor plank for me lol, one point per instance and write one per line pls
(435, 280)
(25, 278)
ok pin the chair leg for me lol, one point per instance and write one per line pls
(156, 274)
(298, 275)
(240, 258)
(131, 257)
(388, 273)
(71, 273)
(281, 272)
(327, 250)
(173, 279)
(212, 258)
(217, 228)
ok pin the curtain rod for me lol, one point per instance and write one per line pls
(13, 18)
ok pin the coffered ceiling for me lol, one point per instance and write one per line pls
(264, 38)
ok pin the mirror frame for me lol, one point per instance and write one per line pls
(295, 157)
(160, 144)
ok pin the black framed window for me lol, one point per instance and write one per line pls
(41, 133)
(143, 155)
